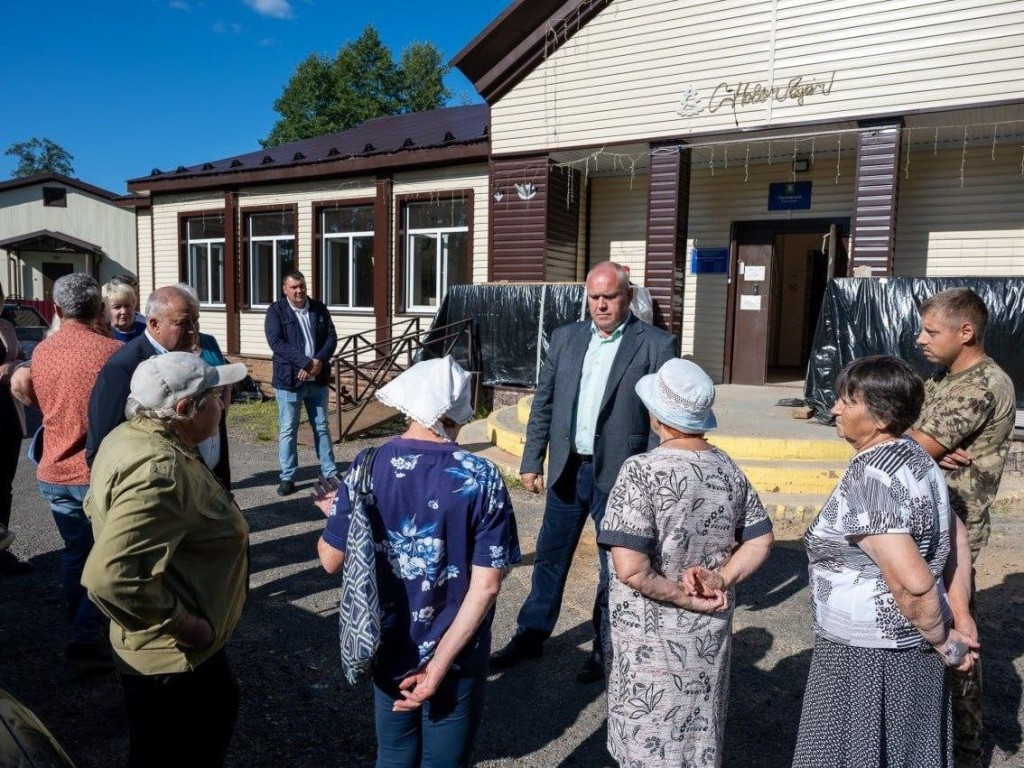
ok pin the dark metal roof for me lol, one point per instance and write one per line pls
(518, 40)
(45, 240)
(437, 128)
(42, 178)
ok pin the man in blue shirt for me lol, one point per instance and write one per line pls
(301, 335)
(587, 415)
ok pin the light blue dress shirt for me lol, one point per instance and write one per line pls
(597, 365)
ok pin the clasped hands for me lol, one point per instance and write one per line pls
(704, 591)
(311, 371)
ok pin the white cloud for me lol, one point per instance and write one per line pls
(276, 9)
(179, 5)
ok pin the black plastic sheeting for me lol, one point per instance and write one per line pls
(879, 316)
(512, 323)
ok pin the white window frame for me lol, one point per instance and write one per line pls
(439, 260)
(190, 265)
(326, 268)
(276, 277)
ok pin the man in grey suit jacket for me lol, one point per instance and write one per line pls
(587, 414)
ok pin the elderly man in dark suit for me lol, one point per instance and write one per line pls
(301, 334)
(587, 414)
(172, 325)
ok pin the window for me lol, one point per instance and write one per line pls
(271, 255)
(347, 248)
(436, 251)
(204, 258)
(56, 197)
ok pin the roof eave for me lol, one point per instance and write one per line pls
(350, 166)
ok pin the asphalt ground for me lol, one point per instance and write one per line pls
(297, 711)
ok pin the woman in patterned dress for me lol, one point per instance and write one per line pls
(444, 533)
(890, 582)
(684, 527)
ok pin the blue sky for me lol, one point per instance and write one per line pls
(131, 85)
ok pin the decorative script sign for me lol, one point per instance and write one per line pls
(736, 96)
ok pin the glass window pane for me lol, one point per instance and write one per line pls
(217, 286)
(443, 213)
(262, 267)
(362, 261)
(336, 267)
(456, 249)
(206, 228)
(270, 224)
(423, 275)
(198, 276)
(355, 218)
(285, 261)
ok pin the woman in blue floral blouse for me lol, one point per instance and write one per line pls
(444, 532)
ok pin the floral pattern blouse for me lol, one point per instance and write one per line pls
(439, 511)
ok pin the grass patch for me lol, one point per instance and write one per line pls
(257, 421)
(511, 479)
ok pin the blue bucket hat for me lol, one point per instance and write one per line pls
(680, 395)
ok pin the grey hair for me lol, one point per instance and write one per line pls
(78, 296)
(167, 416)
(160, 300)
(620, 271)
(189, 290)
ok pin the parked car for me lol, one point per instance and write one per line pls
(29, 326)
(24, 740)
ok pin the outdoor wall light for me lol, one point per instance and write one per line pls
(801, 165)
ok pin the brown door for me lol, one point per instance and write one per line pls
(752, 311)
(52, 272)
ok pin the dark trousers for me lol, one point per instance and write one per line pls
(182, 719)
(573, 498)
(440, 734)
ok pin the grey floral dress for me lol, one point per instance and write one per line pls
(668, 680)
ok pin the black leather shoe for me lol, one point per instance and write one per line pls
(286, 488)
(12, 566)
(592, 670)
(516, 651)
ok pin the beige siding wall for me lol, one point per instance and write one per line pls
(945, 229)
(626, 73)
(618, 222)
(715, 203)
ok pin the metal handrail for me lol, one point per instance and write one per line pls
(404, 340)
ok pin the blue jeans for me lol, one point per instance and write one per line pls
(88, 625)
(289, 404)
(573, 498)
(440, 734)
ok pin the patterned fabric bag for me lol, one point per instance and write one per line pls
(359, 615)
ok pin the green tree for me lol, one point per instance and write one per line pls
(360, 83)
(40, 156)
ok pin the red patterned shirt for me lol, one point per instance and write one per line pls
(64, 370)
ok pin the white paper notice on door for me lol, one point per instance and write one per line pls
(750, 302)
(754, 274)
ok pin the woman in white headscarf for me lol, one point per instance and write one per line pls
(444, 532)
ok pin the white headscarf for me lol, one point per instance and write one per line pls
(430, 391)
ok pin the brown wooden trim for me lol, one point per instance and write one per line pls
(518, 228)
(438, 196)
(244, 212)
(668, 211)
(319, 206)
(354, 166)
(382, 266)
(152, 250)
(183, 217)
(730, 306)
(875, 193)
(232, 270)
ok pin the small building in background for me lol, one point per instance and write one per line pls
(52, 225)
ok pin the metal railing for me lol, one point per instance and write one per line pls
(362, 364)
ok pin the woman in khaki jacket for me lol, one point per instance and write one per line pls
(170, 563)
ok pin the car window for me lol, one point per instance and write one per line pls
(20, 316)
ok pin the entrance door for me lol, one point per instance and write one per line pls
(53, 271)
(752, 313)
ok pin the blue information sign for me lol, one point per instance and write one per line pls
(789, 196)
